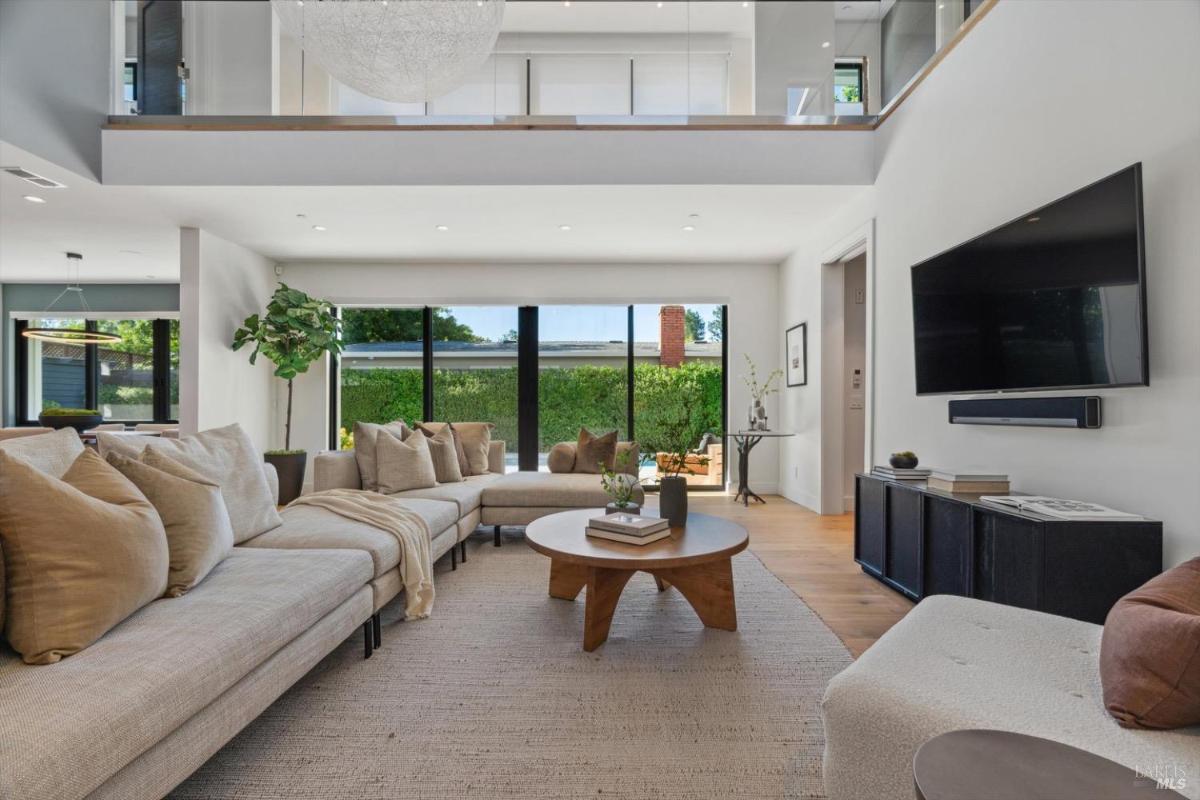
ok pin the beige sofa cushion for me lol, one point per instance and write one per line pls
(366, 434)
(193, 512)
(544, 489)
(476, 439)
(444, 449)
(223, 455)
(67, 728)
(592, 451)
(52, 453)
(82, 554)
(404, 465)
(467, 496)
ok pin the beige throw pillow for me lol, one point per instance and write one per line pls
(476, 439)
(561, 457)
(365, 436)
(199, 535)
(225, 456)
(51, 453)
(464, 464)
(591, 451)
(444, 454)
(404, 465)
(82, 553)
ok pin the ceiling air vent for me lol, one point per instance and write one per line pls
(34, 178)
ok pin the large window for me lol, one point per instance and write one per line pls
(653, 373)
(132, 380)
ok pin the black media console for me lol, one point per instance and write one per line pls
(922, 541)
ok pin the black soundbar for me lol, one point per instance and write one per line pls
(1041, 412)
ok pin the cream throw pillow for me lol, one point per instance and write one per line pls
(365, 436)
(476, 439)
(82, 553)
(51, 453)
(444, 453)
(225, 456)
(193, 512)
(404, 465)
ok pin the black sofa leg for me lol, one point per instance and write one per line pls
(453, 558)
(377, 630)
(496, 542)
(368, 639)
(462, 550)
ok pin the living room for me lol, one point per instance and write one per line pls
(652, 306)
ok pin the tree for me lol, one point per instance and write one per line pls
(295, 332)
(402, 325)
(716, 325)
(511, 336)
(693, 326)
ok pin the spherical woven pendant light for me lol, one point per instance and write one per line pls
(402, 51)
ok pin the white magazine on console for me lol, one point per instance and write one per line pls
(1059, 508)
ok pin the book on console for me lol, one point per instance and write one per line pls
(969, 477)
(629, 524)
(597, 533)
(1060, 509)
(900, 474)
(968, 487)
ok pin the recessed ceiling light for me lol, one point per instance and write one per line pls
(564, 227)
(1033, 219)
(824, 44)
(941, 6)
(689, 228)
(319, 228)
(443, 228)
(567, 3)
(745, 5)
(660, 5)
(33, 198)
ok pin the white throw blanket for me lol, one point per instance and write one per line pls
(388, 514)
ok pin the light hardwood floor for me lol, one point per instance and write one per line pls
(814, 556)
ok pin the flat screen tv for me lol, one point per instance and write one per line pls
(1055, 299)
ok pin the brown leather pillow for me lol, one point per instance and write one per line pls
(1150, 652)
(591, 451)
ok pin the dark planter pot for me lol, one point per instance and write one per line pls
(672, 500)
(629, 509)
(80, 422)
(290, 467)
(903, 462)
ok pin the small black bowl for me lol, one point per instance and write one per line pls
(903, 462)
(80, 422)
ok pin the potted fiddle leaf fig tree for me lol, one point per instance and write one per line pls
(295, 331)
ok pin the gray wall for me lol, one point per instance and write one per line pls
(788, 52)
(54, 79)
(33, 297)
(908, 41)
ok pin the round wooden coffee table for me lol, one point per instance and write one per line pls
(695, 560)
(1014, 766)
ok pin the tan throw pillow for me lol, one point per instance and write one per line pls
(51, 453)
(464, 464)
(561, 457)
(1150, 652)
(591, 451)
(365, 436)
(199, 535)
(476, 438)
(225, 456)
(404, 465)
(444, 454)
(82, 553)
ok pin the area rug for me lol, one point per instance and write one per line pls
(493, 697)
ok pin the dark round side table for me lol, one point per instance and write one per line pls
(999, 765)
(745, 441)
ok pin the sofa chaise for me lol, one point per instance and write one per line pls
(955, 663)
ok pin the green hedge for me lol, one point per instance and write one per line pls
(568, 398)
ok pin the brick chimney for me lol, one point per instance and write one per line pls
(670, 335)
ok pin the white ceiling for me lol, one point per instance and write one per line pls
(129, 233)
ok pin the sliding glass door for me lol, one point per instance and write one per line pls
(382, 366)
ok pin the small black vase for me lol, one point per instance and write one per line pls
(672, 500)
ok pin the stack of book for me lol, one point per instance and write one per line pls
(895, 474)
(969, 482)
(629, 528)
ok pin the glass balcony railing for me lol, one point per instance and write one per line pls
(528, 62)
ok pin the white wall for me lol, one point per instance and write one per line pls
(981, 142)
(55, 72)
(749, 290)
(788, 53)
(220, 284)
(228, 46)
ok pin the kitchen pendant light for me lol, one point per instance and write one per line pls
(71, 335)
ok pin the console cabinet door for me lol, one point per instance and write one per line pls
(947, 556)
(869, 523)
(904, 538)
(1008, 560)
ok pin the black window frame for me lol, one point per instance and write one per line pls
(527, 446)
(160, 378)
(860, 65)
